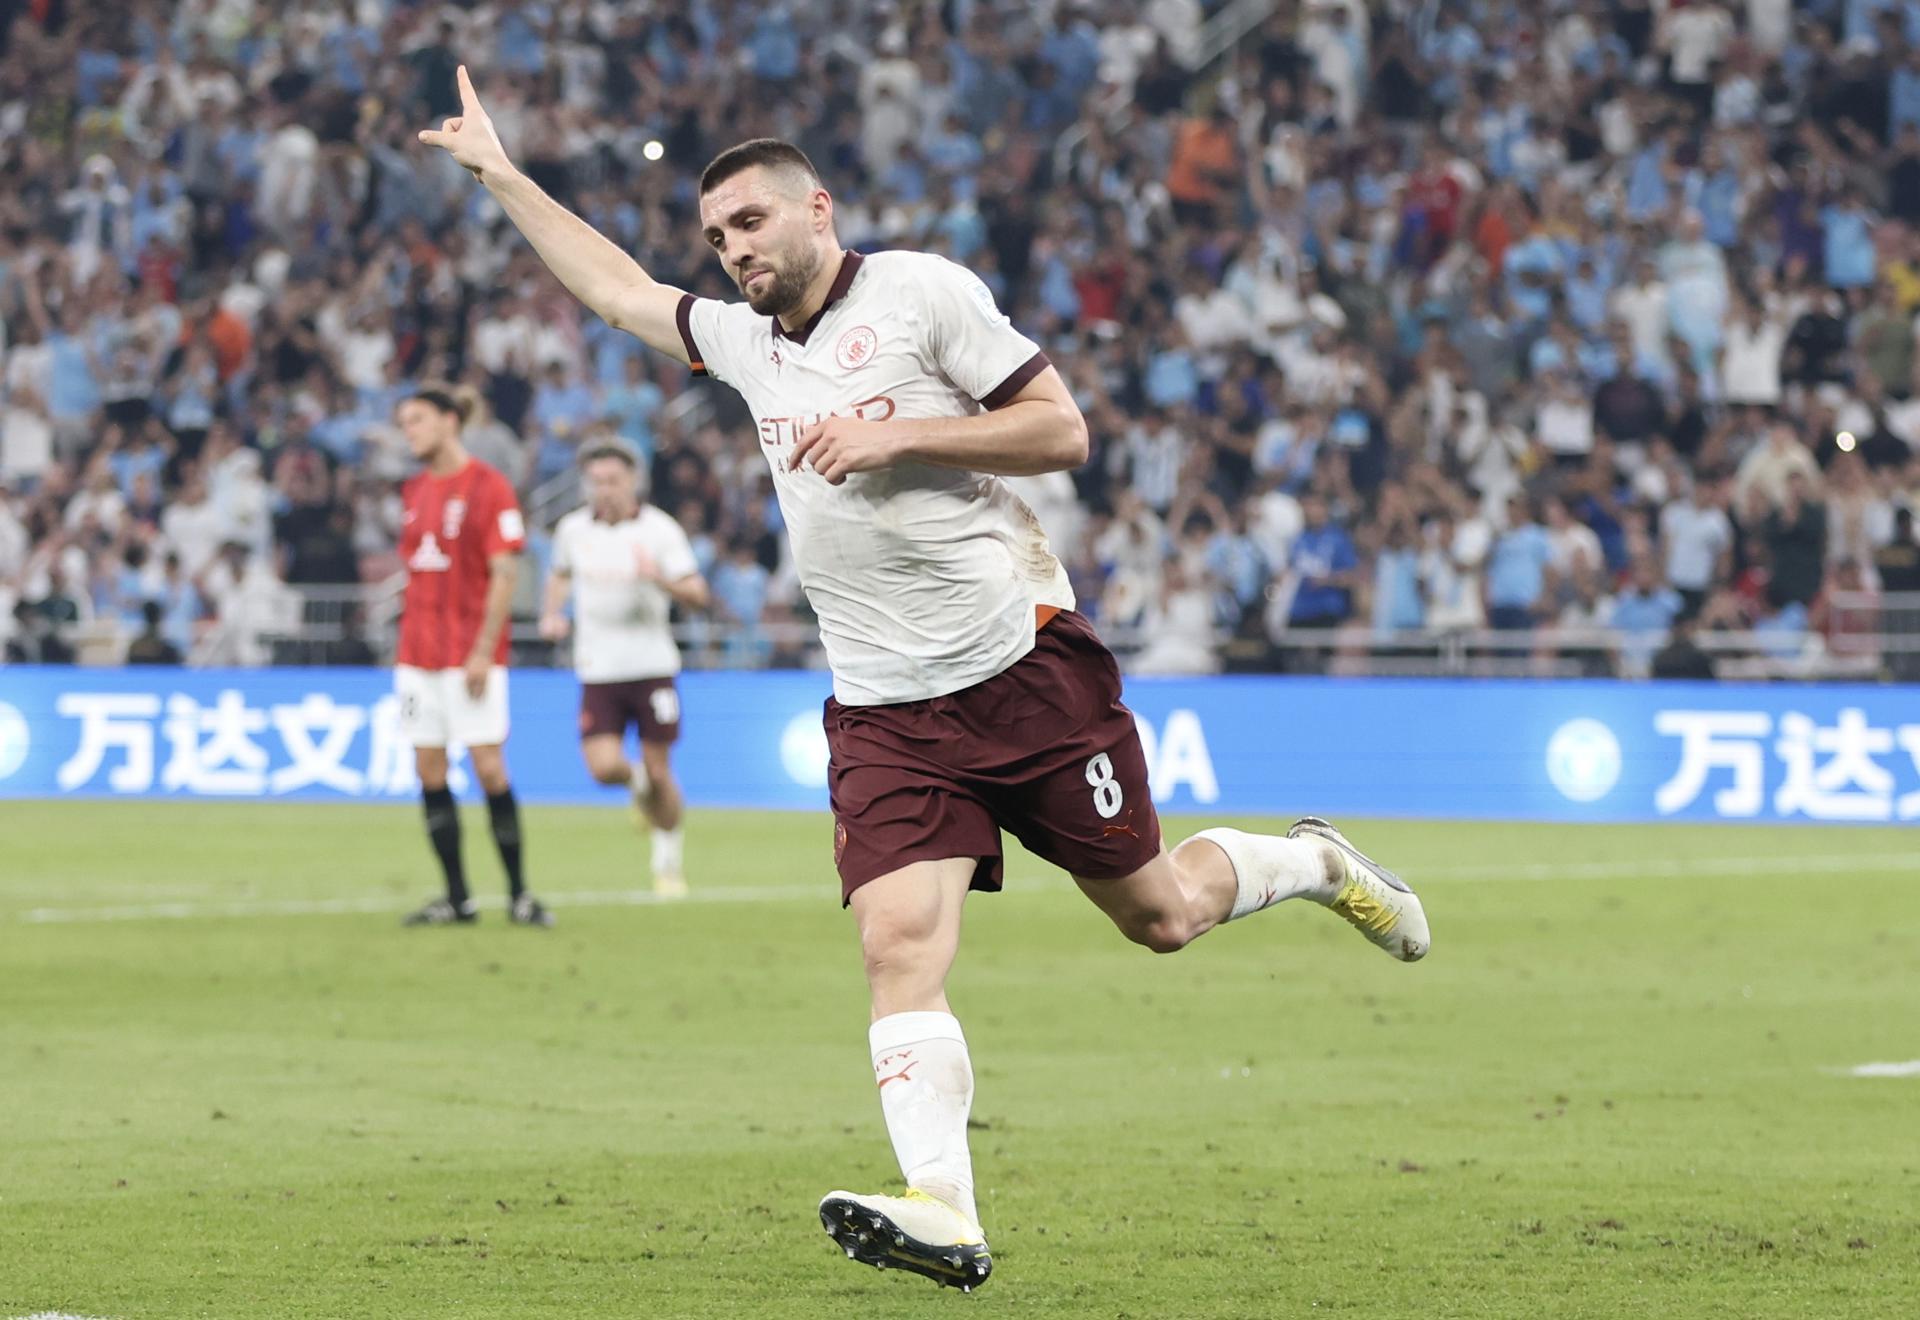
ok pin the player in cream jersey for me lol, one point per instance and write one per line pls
(924, 578)
(626, 563)
(890, 395)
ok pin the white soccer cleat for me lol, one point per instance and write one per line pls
(915, 1232)
(1374, 899)
(667, 884)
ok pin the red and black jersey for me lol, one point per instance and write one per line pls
(454, 526)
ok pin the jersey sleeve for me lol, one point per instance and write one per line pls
(506, 532)
(706, 335)
(562, 559)
(970, 339)
(674, 553)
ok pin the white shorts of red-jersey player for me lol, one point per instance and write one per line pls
(436, 710)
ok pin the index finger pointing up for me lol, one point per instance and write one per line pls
(469, 100)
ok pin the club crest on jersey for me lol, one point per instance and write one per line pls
(855, 348)
(451, 517)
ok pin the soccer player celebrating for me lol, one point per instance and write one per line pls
(891, 395)
(626, 563)
(460, 539)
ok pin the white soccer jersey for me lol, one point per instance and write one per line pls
(621, 624)
(925, 579)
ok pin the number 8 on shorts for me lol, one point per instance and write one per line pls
(1107, 793)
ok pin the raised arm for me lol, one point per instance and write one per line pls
(595, 271)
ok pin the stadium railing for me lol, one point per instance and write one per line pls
(356, 623)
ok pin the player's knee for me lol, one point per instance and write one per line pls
(1160, 932)
(895, 944)
(610, 770)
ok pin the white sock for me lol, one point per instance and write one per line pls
(668, 849)
(926, 1088)
(1269, 869)
(638, 784)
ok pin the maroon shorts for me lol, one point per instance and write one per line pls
(1044, 750)
(651, 703)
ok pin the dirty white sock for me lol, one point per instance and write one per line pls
(926, 1090)
(1269, 869)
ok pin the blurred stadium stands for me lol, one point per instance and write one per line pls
(1457, 337)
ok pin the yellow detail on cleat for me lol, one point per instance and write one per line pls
(1364, 910)
(915, 1194)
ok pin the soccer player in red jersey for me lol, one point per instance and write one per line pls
(461, 539)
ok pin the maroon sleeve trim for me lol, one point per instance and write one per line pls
(683, 317)
(1002, 394)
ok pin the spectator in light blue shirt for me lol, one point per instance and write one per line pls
(1074, 52)
(740, 589)
(1861, 17)
(1534, 267)
(1397, 602)
(1713, 189)
(951, 149)
(72, 391)
(1172, 378)
(633, 404)
(1587, 291)
(1903, 94)
(1647, 191)
(182, 604)
(1642, 614)
(775, 46)
(521, 47)
(94, 71)
(561, 404)
(1849, 243)
(1517, 568)
(1235, 561)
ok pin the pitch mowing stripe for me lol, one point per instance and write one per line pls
(324, 907)
(1823, 864)
(1772, 864)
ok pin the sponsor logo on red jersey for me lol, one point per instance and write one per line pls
(428, 557)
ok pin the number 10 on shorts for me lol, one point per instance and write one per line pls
(1107, 793)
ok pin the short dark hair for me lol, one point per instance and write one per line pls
(771, 152)
(458, 403)
(618, 453)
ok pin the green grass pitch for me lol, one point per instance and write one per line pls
(233, 1087)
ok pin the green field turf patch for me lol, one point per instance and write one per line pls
(235, 1087)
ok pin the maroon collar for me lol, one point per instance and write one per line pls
(849, 267)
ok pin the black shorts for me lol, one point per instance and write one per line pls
(651, 703)
(1044, 750)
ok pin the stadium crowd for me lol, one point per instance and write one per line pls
(1590, 317)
